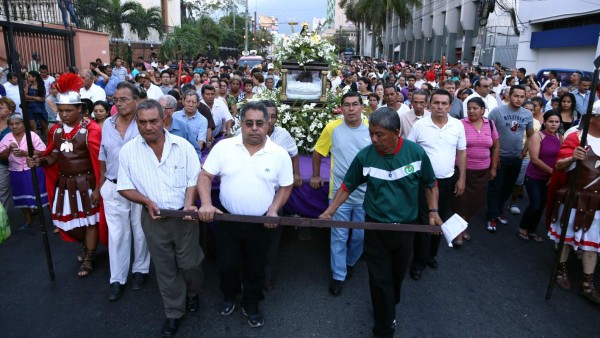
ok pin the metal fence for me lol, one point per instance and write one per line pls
(43, 11)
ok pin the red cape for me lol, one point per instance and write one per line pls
(559, 178)
(94, 137)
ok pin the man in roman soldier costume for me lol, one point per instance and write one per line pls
(70, 162)
(583, 230)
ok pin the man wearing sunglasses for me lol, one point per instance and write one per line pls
(256, 179)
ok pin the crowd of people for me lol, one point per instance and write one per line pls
(117, 143)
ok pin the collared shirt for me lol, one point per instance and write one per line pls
(581, 101)
(197, 123)
(166, 89)
(111, 86)
(120, 73)
(154, 92)
(95, 93)
(112, 142)
(249, 183)
(440, 144)
(165, 181)
(18, 163)
(490, 103)
(282, 138)
(408, 120)
(181, 129)
(220, 114)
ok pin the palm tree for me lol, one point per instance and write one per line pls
(117, 14)
(142, 20)
(374, 14)
(189, 8)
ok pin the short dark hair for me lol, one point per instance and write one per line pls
(150, 104)
(350, 94)
(390, 85)
(423, 93)
(522, 70)
(207, 87)
(254, 105)
(44, 67)
(411, 76)
(269, 104)
(166, 71)
(583, 79)
(516, 87)
(441, 92)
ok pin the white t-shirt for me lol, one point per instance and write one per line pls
(249, 183)
(490, 103)
(220, 114)
(95, 93)
(440, 144)
(47, 83)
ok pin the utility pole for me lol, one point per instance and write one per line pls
(246, 29)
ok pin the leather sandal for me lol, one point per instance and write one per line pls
(87, 265)
(535, 237)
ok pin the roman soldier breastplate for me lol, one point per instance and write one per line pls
(73, 153)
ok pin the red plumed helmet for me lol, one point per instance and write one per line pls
(68, 86)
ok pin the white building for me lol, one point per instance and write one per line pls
(558, 34)
(336, 20)
(446, 27)
(171, 13)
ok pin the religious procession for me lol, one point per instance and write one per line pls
(290, 187)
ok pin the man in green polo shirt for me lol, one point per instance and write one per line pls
(393, 169)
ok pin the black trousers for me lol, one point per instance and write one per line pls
(426, 245)
(242, 247)
(387, 254)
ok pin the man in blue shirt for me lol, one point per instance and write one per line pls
(189, 114)
(582, 95)
(176, 126)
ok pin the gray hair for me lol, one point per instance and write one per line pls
(386, 118)
(191, 93)
(254, 105)
(150, 104)
(269, 104)
(170, 100)
(15, 116)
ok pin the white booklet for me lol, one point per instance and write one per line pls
(453, 227)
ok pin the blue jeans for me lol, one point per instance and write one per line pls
(343, 251)
(64, 6)
(536, 191)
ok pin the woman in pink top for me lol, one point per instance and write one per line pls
(14, 148)
(482, 140)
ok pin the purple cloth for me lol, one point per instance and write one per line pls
(304, 201)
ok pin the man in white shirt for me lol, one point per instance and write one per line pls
(12, 90)
(220, 112)
(159, 171)
(444, 140)
(419, 75)
(152, 91)
(482, 90)
(393, 99)
(256, 179)
(48, 80)
(90, 90)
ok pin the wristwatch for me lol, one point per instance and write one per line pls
(433, 210)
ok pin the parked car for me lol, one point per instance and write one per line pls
(564, 75)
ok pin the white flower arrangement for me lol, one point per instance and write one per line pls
(306, 48)
(304, 125)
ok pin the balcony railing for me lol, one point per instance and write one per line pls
(28, 11)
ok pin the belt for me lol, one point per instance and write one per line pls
(114, 181)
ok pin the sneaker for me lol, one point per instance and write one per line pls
(502, 219)
(491, 225)
(255, 319)
(514, 209)
(227, 307)
(24, 227)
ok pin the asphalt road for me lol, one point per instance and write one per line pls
(492, 287)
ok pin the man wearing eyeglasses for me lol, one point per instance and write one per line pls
(343, 139)
(482, 90)
(256, 179)
(123, 217)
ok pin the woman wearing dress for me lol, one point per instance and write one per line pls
(35, 96)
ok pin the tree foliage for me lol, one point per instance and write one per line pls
(192, 38)
(142, 20)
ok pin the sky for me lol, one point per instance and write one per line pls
(289, 10)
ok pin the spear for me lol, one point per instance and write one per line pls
(16, 67)
(570, 201)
